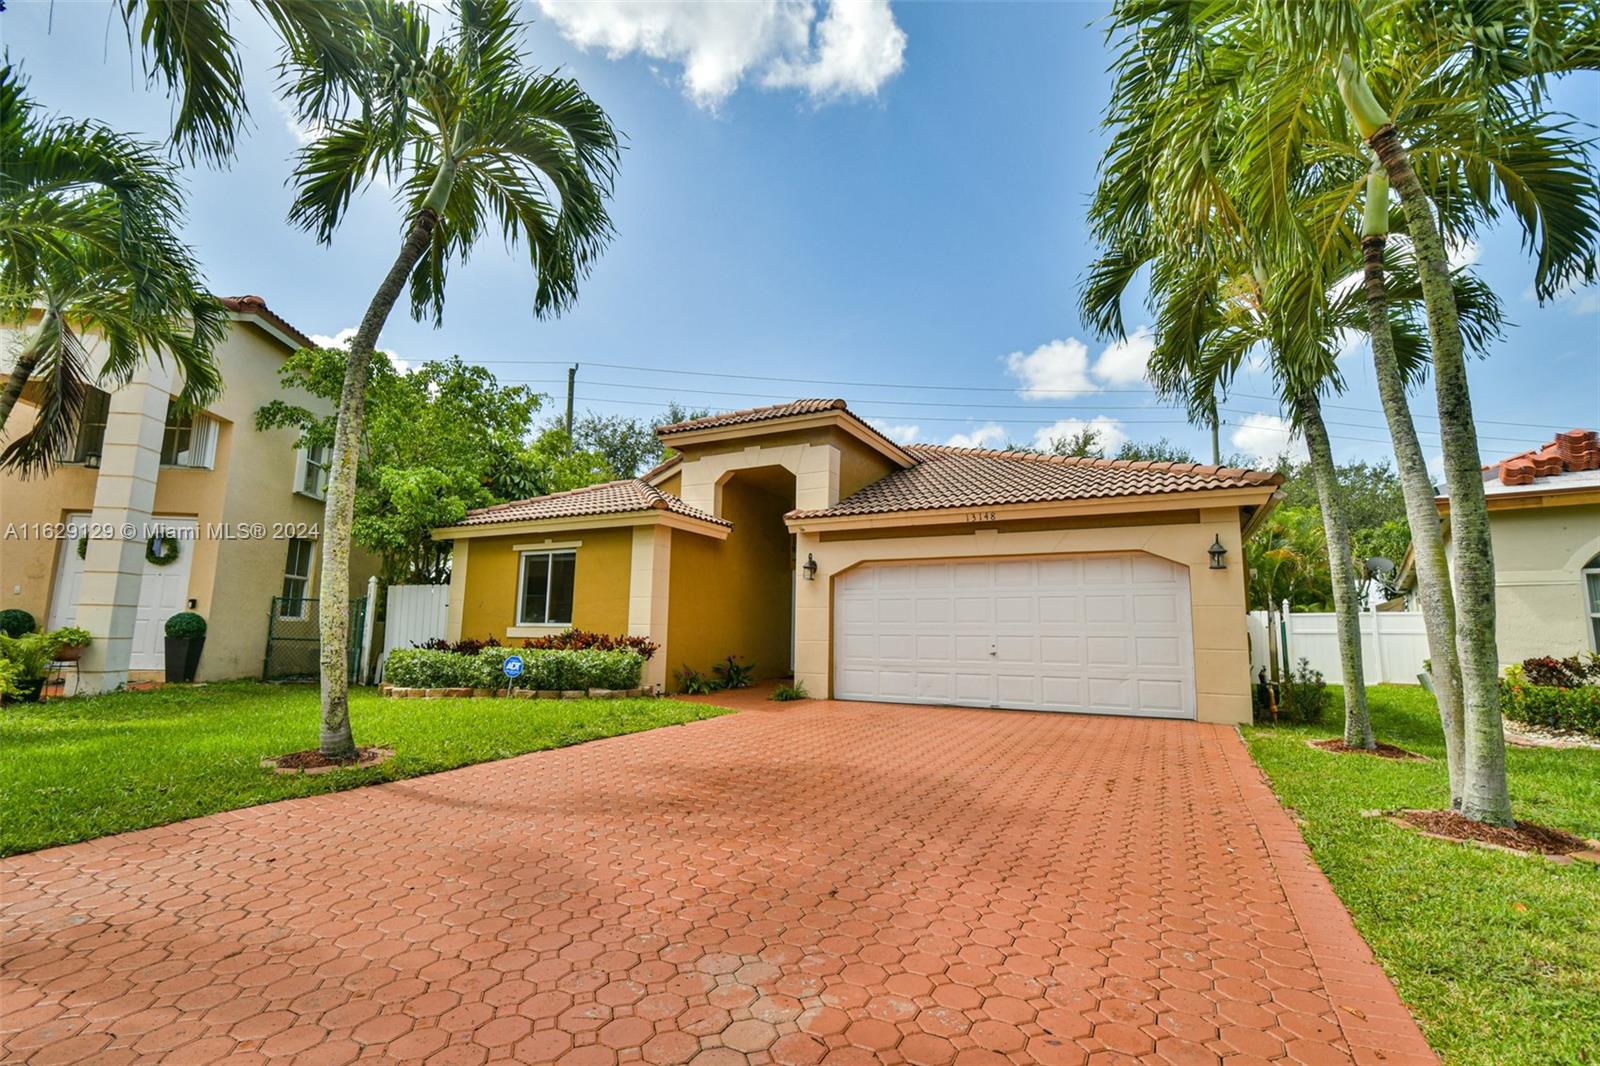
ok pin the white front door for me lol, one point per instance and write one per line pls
(163, 591)
(1107, 634)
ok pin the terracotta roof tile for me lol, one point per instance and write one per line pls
(1573, 451)
(754, 414)
(613, 497)
(255, 305)
(946, 477)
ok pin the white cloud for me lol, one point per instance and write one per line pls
(900, 434)
(1463, 253)
(988, 435)
(1109, 434)
(1052, 371)
(1266, 437)
(852, 50)
(1123, 362)
(343, 338)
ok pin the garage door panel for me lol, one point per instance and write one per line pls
(1099, 633)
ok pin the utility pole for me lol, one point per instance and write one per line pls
(1216, 447)
(572, 380)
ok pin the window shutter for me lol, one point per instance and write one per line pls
(299, 470)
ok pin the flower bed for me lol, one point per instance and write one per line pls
(1571, 709)
(427, 671)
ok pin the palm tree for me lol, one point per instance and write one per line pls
(87, 245)
(1481, 144)
(466, 135)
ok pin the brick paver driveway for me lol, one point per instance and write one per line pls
(813, 882)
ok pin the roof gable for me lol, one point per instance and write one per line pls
(613, 497)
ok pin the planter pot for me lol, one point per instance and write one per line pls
(29, 689)
(183, 657)
(69, 653)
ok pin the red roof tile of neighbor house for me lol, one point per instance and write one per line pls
(255, 305)
(945, 477)
(1570, 452)
(613, 497)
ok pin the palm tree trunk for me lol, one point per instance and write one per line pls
(27, 359)
(1341, 568)
(1485, 794)
(1427, 537)
(333, 611)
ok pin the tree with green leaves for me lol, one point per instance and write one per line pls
(89, 254)
(466, 136)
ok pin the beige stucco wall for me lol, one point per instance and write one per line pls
(251, 482)
(1539, 556)
(1217, 597)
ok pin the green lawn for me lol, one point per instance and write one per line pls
(1497, 954)
(80, 768)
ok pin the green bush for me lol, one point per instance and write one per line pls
(426, 668)
(1575, 709)
(731, 673)
(786, 693)
(692, 682)
(548, 670)
(15, 622)
(1303, 695)
(186, 624)
(71, 637)
(10, 674)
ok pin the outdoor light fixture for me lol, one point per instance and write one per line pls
(1218, 553)
(92, 460)
(810, 569)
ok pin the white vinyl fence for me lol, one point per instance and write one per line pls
(1393, 644)
(416, 614)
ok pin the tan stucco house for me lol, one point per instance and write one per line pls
(244, 506)
(1544, 523)
(800, 538)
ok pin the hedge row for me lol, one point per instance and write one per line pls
(542, 670)
(1575, 709)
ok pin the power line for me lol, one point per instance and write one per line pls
(1049, 391)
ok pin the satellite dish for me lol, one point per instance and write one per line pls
(1378, 565)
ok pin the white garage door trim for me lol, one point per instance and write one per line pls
(1101, 634)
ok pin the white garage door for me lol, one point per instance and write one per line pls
(1107, 634)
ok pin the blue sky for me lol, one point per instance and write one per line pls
(890, 198)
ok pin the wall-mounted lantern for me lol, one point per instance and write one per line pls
(810, 569)
(92, 460)
(1218, 554)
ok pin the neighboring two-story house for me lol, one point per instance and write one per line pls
(226, 517)
(800, 538)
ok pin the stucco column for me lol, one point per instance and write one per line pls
(812, 620)
(460, 553)
(124, 494)
(649, 580)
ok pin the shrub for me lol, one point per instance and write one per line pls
(692, 682)
(786, 693)
(71, 637)
(15, 622)
(1568, 709)
(1572, 672)
(564, 670)
(1303, 694)
(429, 668)
(10, 673)
(469, 646)
(731, 673)
(29, 657)
(186, 624)
(584, 640)
(489, 667)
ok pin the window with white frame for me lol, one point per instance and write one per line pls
(296, 579)
(312, 477)
(1591, 600)
(544, 588)
(188, 439)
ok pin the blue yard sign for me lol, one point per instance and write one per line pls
(513, 666)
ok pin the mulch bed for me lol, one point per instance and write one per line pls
(1382, 751)
(314, 762)
(1524, 836)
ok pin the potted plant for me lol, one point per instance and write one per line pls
(28, 658)
(15, 622)
(186, 636)
(70, 642)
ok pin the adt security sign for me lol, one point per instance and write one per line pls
(513, 666)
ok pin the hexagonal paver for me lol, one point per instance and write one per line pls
(784, 886)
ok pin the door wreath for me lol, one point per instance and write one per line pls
(161, 550)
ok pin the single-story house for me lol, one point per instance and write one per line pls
(801, 539)
(1544, 524)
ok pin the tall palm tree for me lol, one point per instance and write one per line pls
(466, 135)
(88, 219)
(1465, 80)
